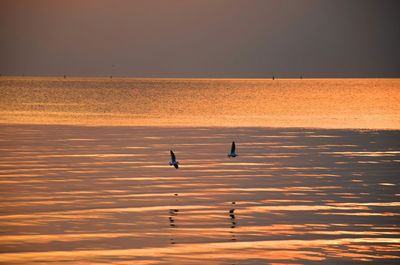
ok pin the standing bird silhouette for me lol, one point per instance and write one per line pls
(173, 161)
(233, 150)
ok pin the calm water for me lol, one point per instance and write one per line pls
(106, 195)
(73, 194)
(318, 103)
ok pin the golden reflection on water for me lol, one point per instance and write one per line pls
(322, 103)
(114, 199)
(222, 251)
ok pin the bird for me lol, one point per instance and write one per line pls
(173, 160)
(233, 150)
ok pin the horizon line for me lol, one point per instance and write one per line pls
(192, 77)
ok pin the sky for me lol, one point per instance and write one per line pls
(200, 38)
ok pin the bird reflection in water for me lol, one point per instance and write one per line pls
(233, 222)
(172, 214)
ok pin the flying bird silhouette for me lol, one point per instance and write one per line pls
(173, 161)
(233, 150)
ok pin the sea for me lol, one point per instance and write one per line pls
(85, 175)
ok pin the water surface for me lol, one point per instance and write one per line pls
(72, 193)
(318, 103)
(106, 195)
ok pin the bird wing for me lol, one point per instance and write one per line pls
(173, 159)
(233, 147)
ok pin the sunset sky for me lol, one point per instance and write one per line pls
(207, 38)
